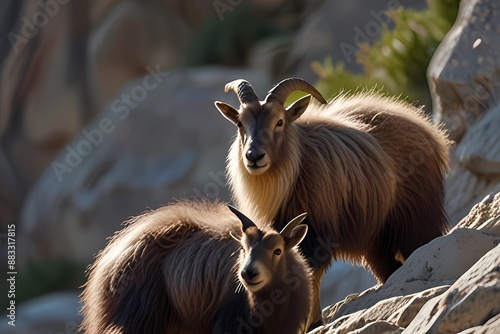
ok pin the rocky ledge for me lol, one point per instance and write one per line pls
(450, 285)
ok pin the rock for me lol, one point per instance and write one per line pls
(378, 327)
(404, 314)
(396, 312)
(131, 38)
(484, 216)
(39, 107)
(464, 73)
(438, 263)
(478, 151)
(159, 140)
(491, 326)
(471, 301)
(476, 169)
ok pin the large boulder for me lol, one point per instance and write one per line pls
(464, 78)
(128, 40)
(39, 108)
(483, 216)
(464, 74)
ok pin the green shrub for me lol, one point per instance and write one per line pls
(397, 61)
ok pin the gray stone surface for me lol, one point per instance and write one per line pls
(475, 170)
(483, 216)
(127, 39)
(464, 74)
(464, 77)
(471, 301)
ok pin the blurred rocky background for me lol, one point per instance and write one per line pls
(106, 110)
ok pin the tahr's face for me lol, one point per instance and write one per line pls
(262, 258)
(262, 129)
(261, 134)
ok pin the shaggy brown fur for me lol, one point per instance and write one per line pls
(174, 270)
(368, 169)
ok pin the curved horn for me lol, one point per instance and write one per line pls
(243, 89)
(245, 221)
(292, 224)
(283, 89)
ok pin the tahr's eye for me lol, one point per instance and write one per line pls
(277, 251)
(238, 124)
(280, 123)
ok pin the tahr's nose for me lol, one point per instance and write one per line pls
(248, 273)
(253, 156)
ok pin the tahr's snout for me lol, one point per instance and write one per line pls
(249, 273)
(253, 155)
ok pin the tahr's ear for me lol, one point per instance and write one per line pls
(228, 111)
(297, 108)
(298, 234)
(293, 233)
